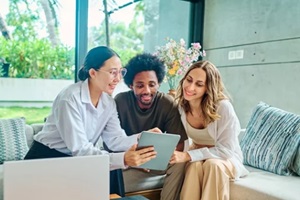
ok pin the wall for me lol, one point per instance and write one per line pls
(256, 44)
(30, 92)
(36, 92)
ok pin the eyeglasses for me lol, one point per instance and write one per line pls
(115, 72)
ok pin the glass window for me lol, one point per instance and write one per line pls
(125, 29)
(38, 38)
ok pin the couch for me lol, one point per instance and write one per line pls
(267, 124)
(265, 133)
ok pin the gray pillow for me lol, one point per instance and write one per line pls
(13, 145)
(272, 139)
(296, 164)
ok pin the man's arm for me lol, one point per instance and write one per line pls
(174, 125)
(180, 146)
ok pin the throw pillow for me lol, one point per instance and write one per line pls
(272, 139)
(13, 145)
(296, 165)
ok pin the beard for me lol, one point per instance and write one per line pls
(145, 100)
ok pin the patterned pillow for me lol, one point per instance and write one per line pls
(296, 165)
(272, 139)
(13, 145)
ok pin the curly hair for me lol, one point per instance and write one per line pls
(215, 91)
(144, 62)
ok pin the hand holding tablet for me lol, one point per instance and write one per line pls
(134, 157)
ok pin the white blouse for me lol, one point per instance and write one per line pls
(225, 132)
(75, 125)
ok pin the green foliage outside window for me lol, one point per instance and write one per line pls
(1, 71)
(29, 54)
(34, 55)
(31, 114)
(37, 59)
(125, 39)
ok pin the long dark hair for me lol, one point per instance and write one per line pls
(95, 59)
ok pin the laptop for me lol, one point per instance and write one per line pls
(68, 178)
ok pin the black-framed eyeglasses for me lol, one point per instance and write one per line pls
(115, 72)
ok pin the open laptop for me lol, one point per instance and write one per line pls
(71, 178)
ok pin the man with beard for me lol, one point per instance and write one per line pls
(144, 107)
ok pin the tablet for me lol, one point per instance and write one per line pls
(164, 144)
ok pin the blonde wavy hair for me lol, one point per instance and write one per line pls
(215, 91)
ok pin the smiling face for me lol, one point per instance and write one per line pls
(145, 86)
(105, 79)
(194, 85)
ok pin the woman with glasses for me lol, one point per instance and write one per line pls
(84, 112)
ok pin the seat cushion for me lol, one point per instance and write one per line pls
(264, 185)
(13, 143)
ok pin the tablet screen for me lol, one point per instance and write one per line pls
(164, 144)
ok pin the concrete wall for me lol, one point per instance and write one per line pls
(256, 45)
(30, 92)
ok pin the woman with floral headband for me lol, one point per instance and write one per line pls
(214, 157)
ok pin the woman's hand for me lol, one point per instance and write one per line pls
(179, 157)
(135, 157)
